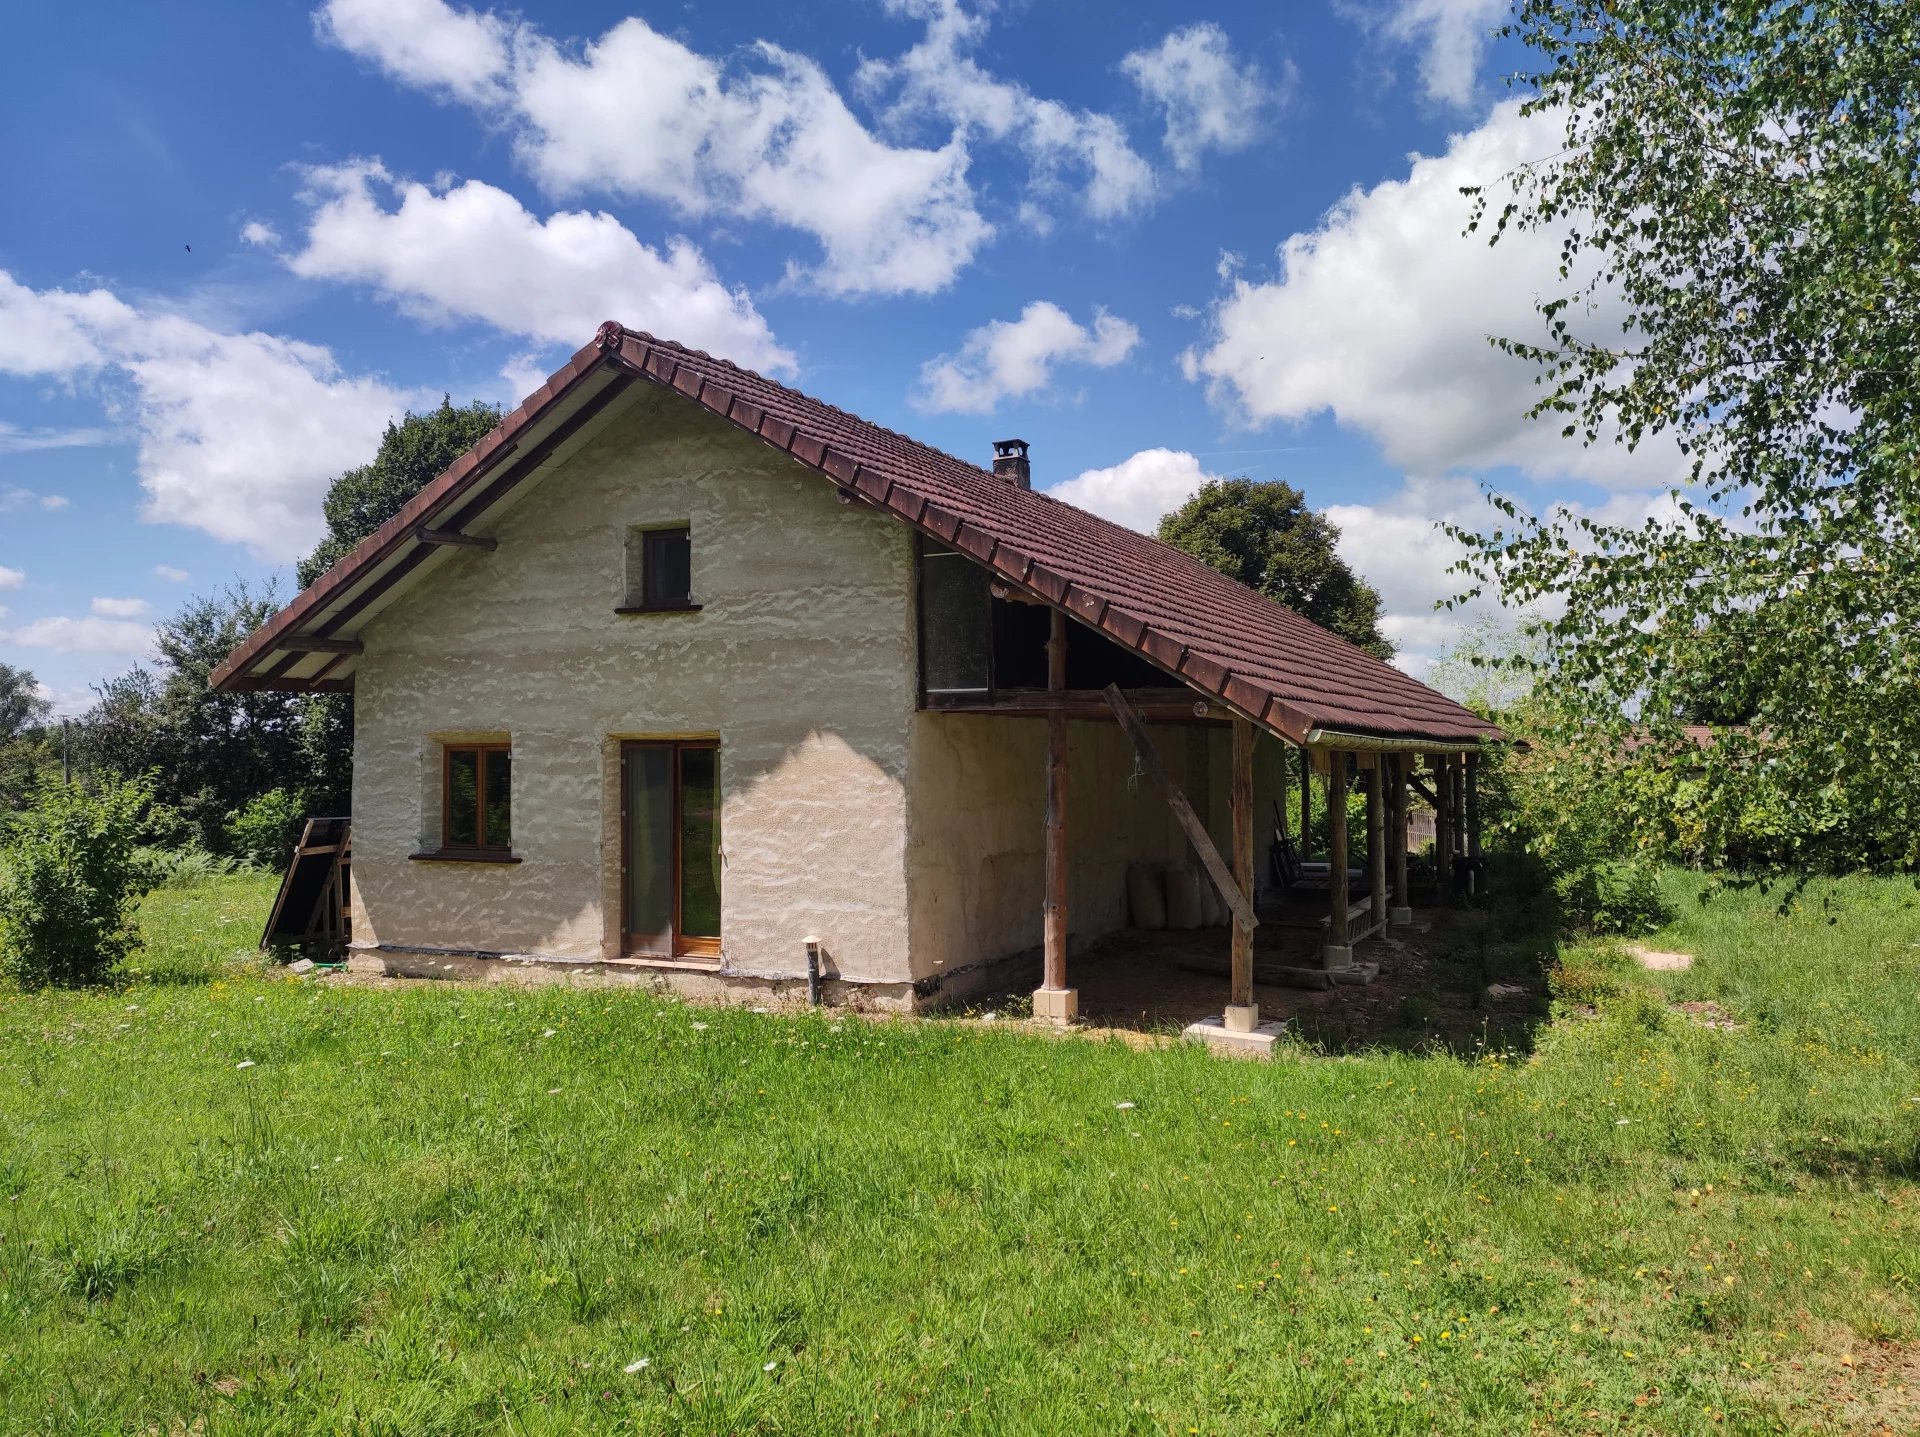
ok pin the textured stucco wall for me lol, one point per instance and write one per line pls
(976, 851)
(801, 662)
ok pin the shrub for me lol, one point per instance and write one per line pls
(179, 867)
(68, 882)
(264, 832)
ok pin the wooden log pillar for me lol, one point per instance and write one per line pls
(1377, 838)
(1470, 805)
(1442, 767)
(1306, 805)
(1339, 930)
(1055, 1000)
(1242, 1015)
(1401, 910)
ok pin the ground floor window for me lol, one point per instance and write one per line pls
(477, 797)
(670, 848)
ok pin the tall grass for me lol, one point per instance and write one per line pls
(276, 1207)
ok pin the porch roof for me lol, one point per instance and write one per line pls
(1216, 636)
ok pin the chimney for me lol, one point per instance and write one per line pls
(1010, 462)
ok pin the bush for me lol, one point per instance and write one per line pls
(68, 882)
(264, 832)
(179, 867)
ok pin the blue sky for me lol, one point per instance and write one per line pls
(1158, 242)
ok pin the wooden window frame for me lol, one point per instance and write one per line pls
(682, 946)
(636, 601)
(481, 850)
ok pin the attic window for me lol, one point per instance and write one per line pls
(659, 570)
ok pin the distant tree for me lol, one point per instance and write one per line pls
(412, 454)
(1489, 668)
(21, 706)
(208, 753)
(24, 751)
(1736, 201)
(1264, 536)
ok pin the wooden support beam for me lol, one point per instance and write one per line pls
(1471, 804)
(1240, 809)
(454, 539)
(1306, 806)
(1056, 902)
(1340, 932)
(1377, 839)
(301, 644)
(1196, 831)
(1442, 765)
(1397, 839)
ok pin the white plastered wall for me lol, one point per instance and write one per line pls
(800, 661)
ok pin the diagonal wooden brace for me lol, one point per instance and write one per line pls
(1196, 831)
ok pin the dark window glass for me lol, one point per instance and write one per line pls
(497, 785)
(699, 843)
(667, 568)
(649, 858)
(956, 623)
(479, 805)
(463, 798)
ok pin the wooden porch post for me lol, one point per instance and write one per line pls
(1306, 805)
(1401, 910)
(1339, 933)
(1442, 767)
(1055, 1000)
(1242, 1016)
(1472, 817)
(1377, 838)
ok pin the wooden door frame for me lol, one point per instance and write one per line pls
(680, 945)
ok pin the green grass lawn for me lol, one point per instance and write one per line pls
(235, 1202)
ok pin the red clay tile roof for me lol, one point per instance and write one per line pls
(1219, 637)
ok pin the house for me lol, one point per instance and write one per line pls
(682, 673)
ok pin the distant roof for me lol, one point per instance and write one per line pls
(1220, 638)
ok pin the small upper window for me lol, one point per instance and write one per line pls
(659, 569)
(479, 797)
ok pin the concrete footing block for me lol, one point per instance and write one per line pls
(1338, 957)
(1056, 1005)
(1358, 975)
(1242, 1019)
(1399, 917)
(1258, 1043)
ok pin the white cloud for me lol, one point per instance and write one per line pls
(764, 135)
(939, 79)
(1139, 490)
(15, 496)
(171, 574)
(81, 636)
(472, 251)
(238, 434)
(119, 608)
(1211, 100)
(11, 578)
(258, 232)
(54, 501)
(1381, 317)
(1451, 35)
(1008, 359)
(423, 42)
(16, 440)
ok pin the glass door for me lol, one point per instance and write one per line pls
(670, 848)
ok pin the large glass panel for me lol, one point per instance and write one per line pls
(498, 830)
(647, 772)
(956, 623)
(463, 798)
(699, 843)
